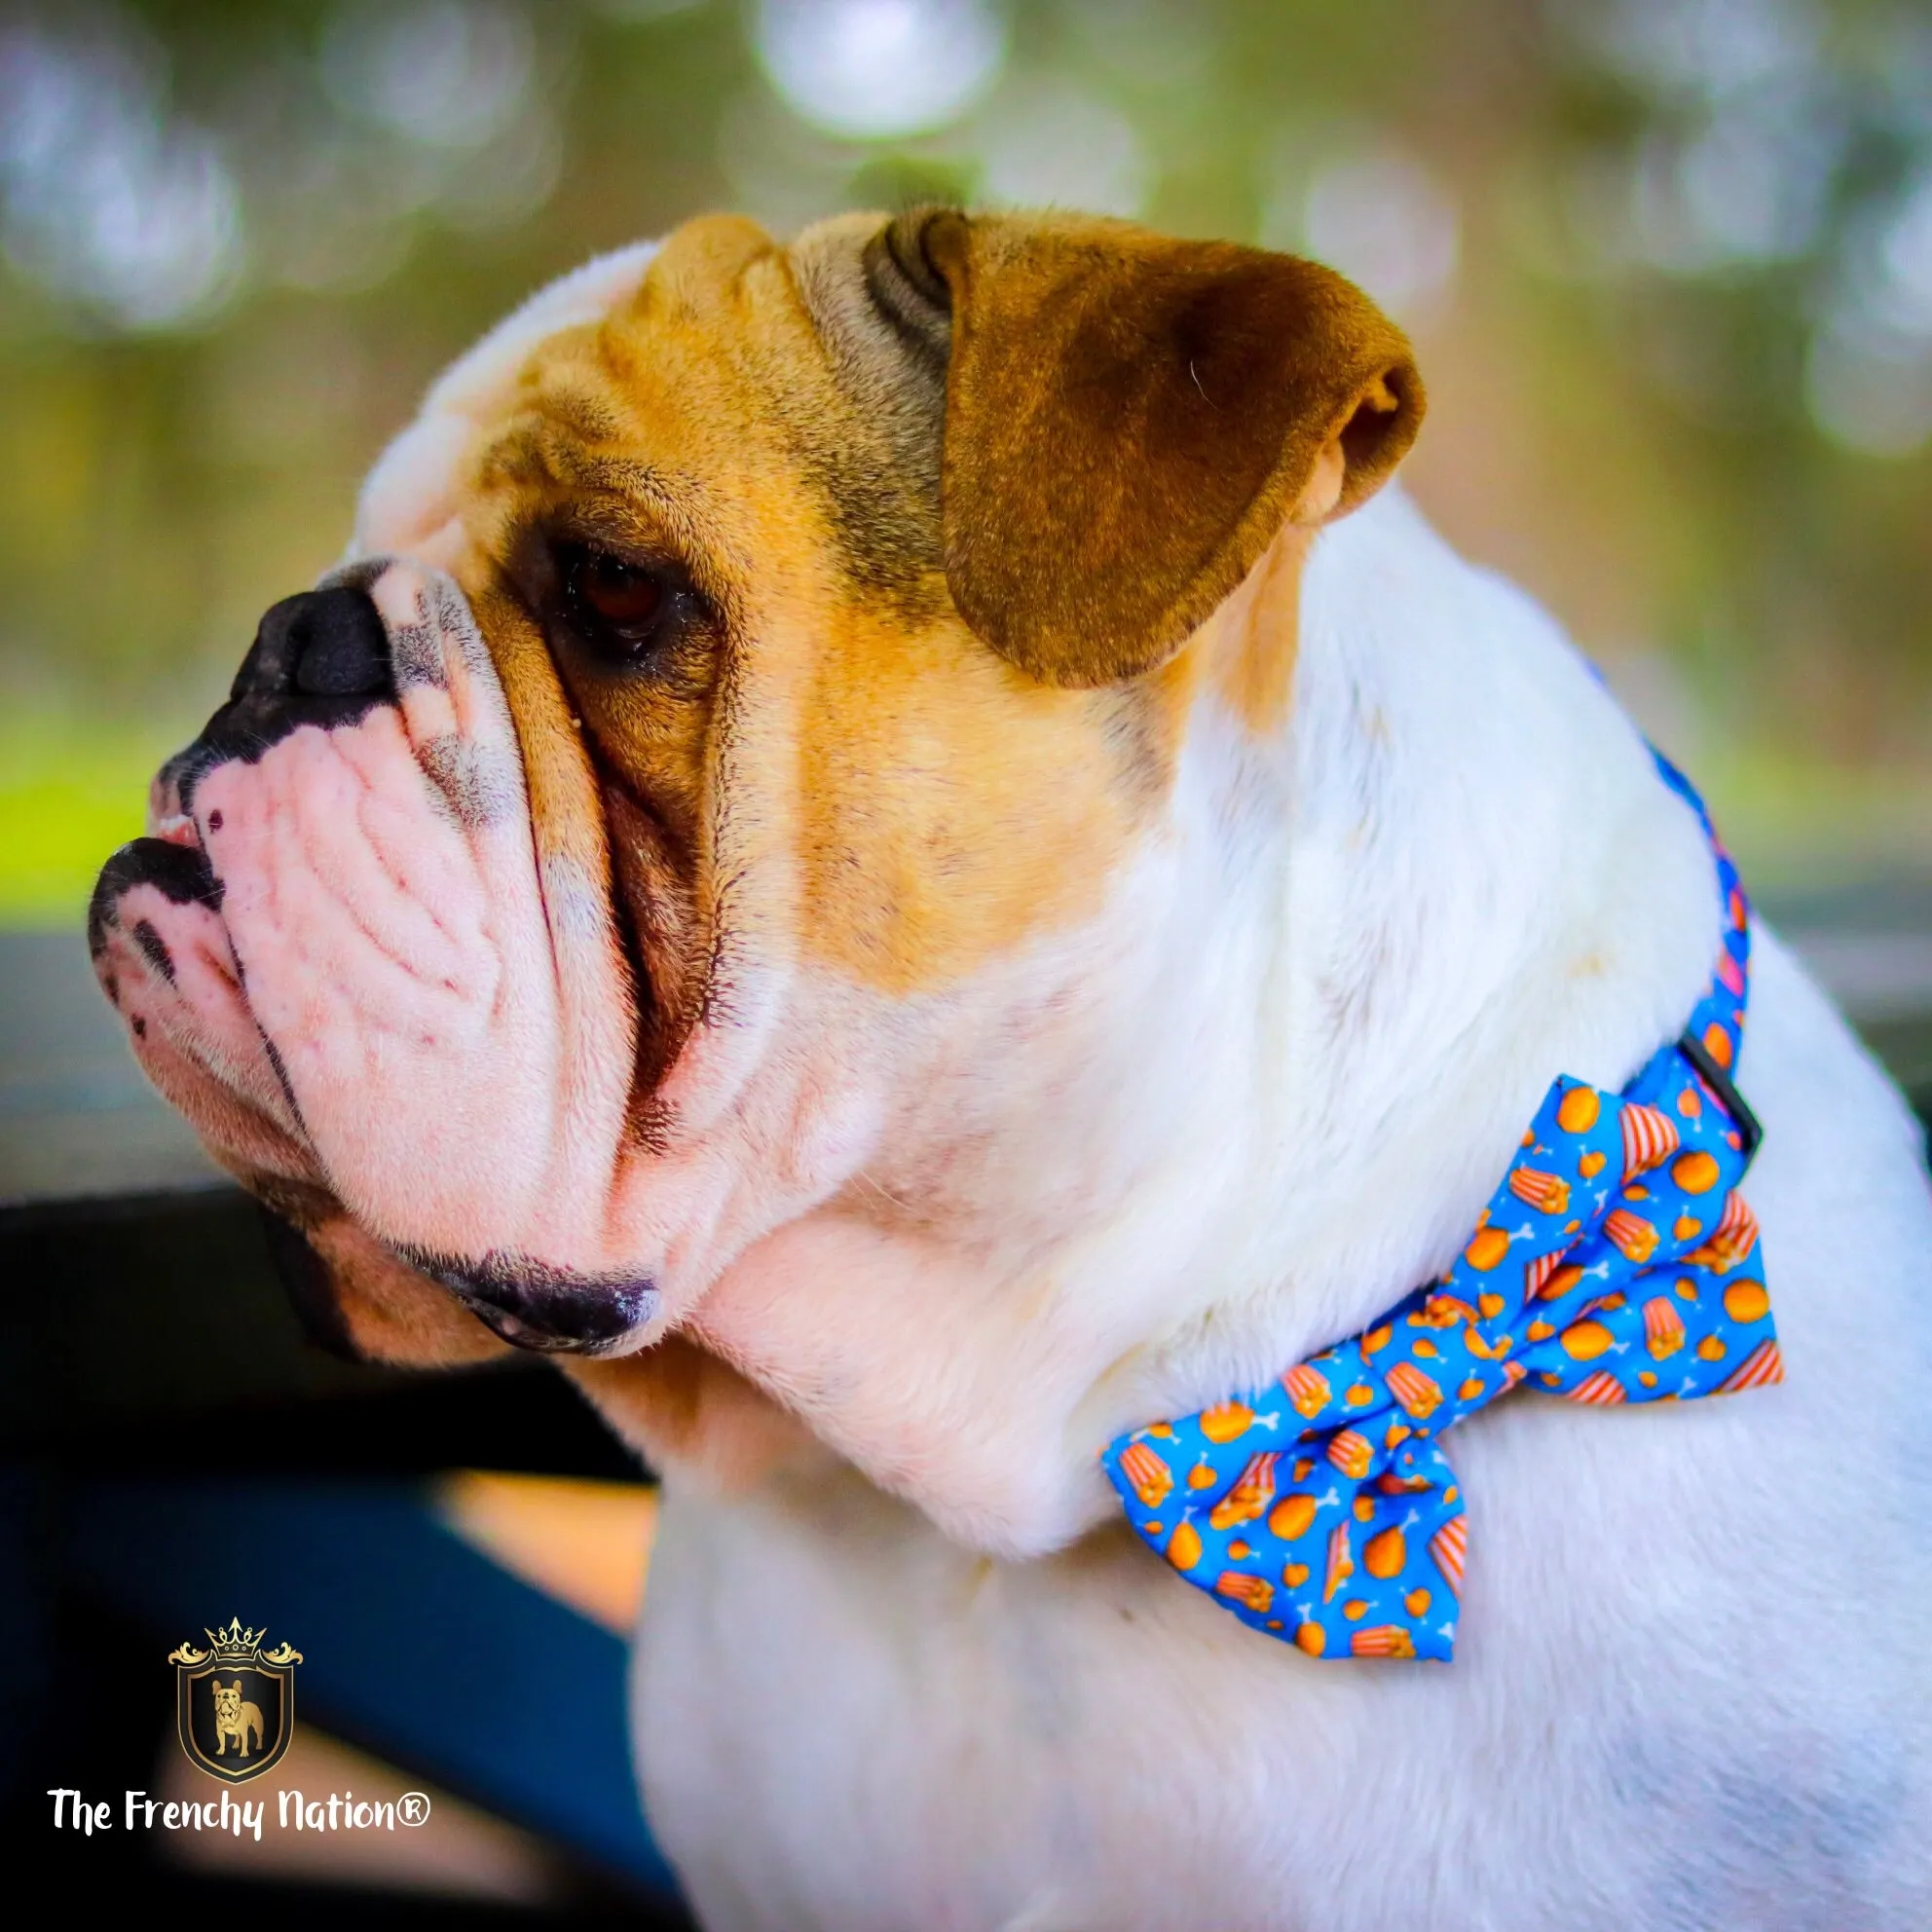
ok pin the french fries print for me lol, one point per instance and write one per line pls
(1249, 1498)
(1650, 1138)
(1147, 1472)
(1617, 1264)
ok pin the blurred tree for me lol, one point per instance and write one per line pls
(1669, 263)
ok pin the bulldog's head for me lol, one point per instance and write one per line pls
(709, 798)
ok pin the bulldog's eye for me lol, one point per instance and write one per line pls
(618, 607)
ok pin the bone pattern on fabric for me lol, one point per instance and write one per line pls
(1615, 1263)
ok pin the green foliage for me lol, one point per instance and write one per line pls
(1669, 263)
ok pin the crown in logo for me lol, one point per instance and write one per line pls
(235, 1648)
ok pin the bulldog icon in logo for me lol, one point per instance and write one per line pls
(235, 1718)
(235, 1702)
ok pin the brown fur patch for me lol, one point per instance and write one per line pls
(1260, 634)
(950, 808)
(1123, 424)
(875, 458)
(940, 808)
(386, 1311)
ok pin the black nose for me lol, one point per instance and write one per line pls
(322, 644)
(320, 658)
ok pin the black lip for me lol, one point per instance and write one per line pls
(320, 657)
(182, 874)
(544, 1309)
(247, 728)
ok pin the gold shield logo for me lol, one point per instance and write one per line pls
(235, 1702)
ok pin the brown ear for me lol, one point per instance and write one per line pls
(1130, 420)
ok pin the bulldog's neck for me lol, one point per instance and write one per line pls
(1269, 1091)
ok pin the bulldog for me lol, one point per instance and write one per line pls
(879, 847)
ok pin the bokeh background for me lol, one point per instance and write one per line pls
(1668, 263)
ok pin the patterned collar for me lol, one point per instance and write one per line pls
(1615, 1263)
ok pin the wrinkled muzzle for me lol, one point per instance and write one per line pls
(342, 954)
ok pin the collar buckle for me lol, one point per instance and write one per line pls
(1729, 1098)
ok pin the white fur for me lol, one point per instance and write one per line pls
(931, 1683)
(407, 504)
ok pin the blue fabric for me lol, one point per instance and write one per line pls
(1615, 1263)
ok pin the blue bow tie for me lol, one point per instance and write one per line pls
(1615, 1263)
